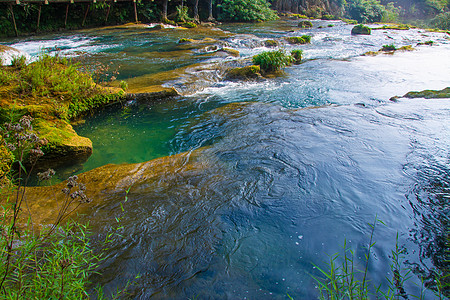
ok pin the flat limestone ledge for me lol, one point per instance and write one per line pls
(151, 93)
(110, 183)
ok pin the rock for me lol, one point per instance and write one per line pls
(361, 29)
(429, 94)
(244, 73)
(270, 43)
(305, 24)
(232, 52)
(8, 53)
(185, 41)
(304, 39)
(110, 183)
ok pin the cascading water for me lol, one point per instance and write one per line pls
(275, 174)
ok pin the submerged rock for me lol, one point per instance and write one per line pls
(270, 43)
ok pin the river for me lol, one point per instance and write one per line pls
(294, 166)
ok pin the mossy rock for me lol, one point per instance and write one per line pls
(189, 25)
(305, 24)
(330, 25)
(270, 43)
(387, 48)
(304, 39)
(185, 41)
(244, 73)
(429, 94)
(361, 29)
(232, 52)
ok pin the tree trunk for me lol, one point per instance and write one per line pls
(164, 11)
(210, 17)
(196, 17)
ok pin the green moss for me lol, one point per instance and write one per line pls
(185, 41)
(393, 27)
(361, 29)
(304, 39)
(350, 21)
(305, 24)
(330, 25)
(270, 43)
(298, 16)
(244, 73)
(189, 25)
(328, 17)
(429, 94)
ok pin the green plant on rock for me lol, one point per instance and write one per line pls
(304, 39)
(272, 61)
(361, 29)
(297, 55)
(390, 47)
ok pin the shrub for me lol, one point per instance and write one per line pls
(272, 61)
(304, 39)
(305, 24)
(361, 29)
(298, 16)
(246, 11)
(182, 15)
(297, 55)
(390, 47)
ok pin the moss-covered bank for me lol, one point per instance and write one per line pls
(54, 92)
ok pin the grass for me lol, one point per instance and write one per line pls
(272, 61)
(57, 82)
(297, 55)
(344, 280)
(390, 47)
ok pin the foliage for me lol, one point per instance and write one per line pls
(272, 61)
(365, 11)
(304, 39)
(346, 281)
(37, 262)
(246, 11)
(182, 15)
(391, 13)
(297, 55)
(19, 62)
(361, 29)
(328, 17)
(441, 21)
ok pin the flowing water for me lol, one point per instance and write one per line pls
(294, 166)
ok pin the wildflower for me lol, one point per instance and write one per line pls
(47, 175)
